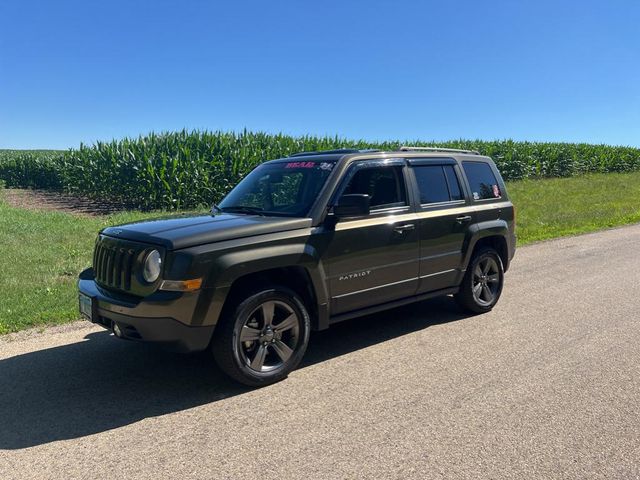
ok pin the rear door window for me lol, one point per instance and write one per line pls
(437, 183)
(482, 180)
(453, 183)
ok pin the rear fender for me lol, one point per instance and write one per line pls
(490, 228)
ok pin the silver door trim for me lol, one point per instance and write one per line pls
(376, 288)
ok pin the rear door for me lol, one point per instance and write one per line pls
(445, 216)
(373, 259)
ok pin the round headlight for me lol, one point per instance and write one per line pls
(152, 266)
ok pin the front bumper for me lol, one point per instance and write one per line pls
(161, 320)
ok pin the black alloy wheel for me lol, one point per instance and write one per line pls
(269, 336)
(486, 281)
(482, 284)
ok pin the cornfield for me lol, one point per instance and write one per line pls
(31, 168)
(188, 169)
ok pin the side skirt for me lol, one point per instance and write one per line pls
(396, 303)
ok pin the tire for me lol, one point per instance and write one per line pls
(263, 338)
(482, 284)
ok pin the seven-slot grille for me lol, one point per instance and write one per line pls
(113, 264)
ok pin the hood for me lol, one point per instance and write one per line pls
(187, 231)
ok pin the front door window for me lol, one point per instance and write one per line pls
(384, 185)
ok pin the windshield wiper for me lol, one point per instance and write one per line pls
(215, 209)
(243, 209)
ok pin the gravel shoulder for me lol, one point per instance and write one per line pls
(37, 332)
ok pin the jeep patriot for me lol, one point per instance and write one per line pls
(300, 244)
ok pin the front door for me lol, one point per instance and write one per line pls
(374, 259)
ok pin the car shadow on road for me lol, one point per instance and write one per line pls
(103, 383)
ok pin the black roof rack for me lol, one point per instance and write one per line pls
(343, 151)
(408, 148)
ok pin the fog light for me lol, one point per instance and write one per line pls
(181, 285)
(116, 330)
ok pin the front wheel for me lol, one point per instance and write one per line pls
(482, 283)
(264, 338)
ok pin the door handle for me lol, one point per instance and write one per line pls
(463, 219)
(404, 228)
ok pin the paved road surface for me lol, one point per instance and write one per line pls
(545, 386)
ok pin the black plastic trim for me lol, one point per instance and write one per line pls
(170, 333)
(396, 303)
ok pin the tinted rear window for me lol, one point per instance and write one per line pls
(482, 181)
(437, 183)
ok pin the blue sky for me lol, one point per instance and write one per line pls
(81, 71)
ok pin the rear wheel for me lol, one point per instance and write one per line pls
(482, 284)
(264, 337)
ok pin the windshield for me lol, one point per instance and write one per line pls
(282, 188)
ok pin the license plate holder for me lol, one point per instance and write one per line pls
(86, 307)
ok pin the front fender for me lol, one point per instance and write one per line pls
(231, 266)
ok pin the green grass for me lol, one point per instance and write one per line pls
(559, 207)
(41, 253)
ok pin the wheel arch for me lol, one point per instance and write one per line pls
(297, 267)
(489, 234)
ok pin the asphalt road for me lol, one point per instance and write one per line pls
(545, 386)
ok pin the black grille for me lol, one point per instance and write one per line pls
(113, 265)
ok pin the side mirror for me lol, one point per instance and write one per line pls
(354, 205)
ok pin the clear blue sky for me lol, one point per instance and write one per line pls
(81, 71)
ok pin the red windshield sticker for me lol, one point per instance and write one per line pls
(496, 191)
(300, 165)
